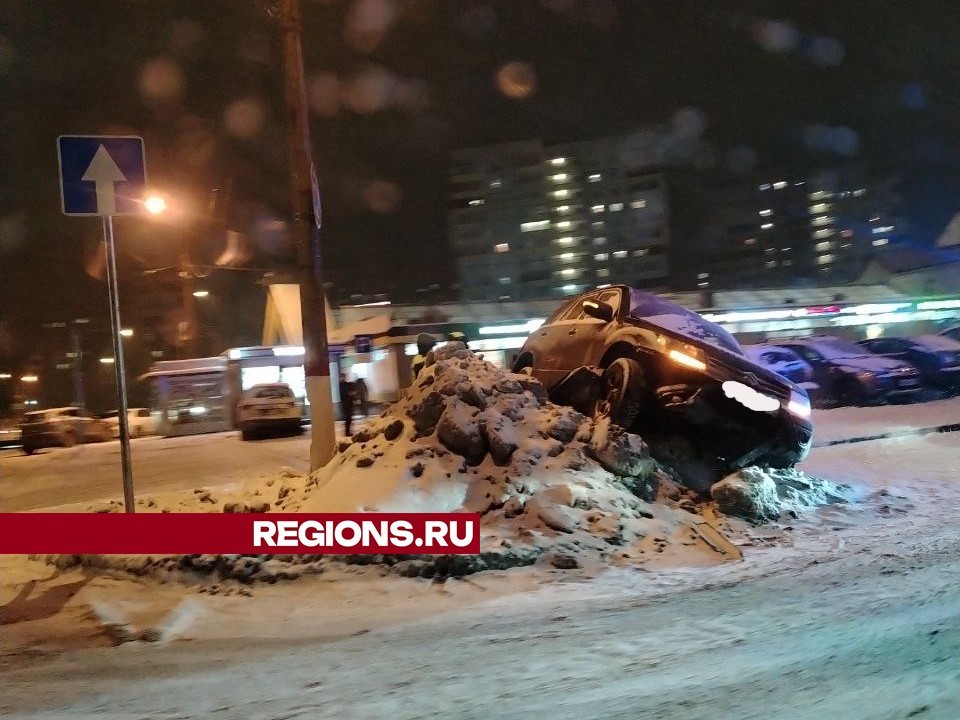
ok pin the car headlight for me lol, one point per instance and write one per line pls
(799, 404)
(683, 354)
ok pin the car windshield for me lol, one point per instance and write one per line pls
(679, 320)
(838, 348)
(778, 356)
(275, 392)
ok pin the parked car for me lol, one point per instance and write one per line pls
(9, 434)
(652, 366)
(952, 333)
(849, 374)
(60, 427)
(937, 357)
(783, 361)
(268, 407)
(140, 422)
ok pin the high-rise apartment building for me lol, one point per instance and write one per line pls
(532, 221)
(817, 229)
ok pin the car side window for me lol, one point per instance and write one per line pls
(809, 355)
(575, 312)
(613, 298)
(144, 413)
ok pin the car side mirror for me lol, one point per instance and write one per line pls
(598, 310)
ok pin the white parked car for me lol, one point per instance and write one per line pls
(140, 422)
(268, 407)
(783, 361)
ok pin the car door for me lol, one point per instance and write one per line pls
(593, 334)
(550, 343)
(821, 368)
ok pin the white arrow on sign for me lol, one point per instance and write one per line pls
(103, 171)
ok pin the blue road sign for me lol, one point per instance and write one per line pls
(101, 175)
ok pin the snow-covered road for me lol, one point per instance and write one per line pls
(849, 612)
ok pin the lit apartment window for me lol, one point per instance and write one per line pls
(569, 289)
(779, 185)
(560, 177)
(786, 249)
(638, 204)
(595, 177)
(823, 233)
(825, 259)
(770, 264)
(642, 252)
(534, 225)
(495, 183)
(603, 272)
(558, 161)
(501, 247)
(750, 241)
(766, 212)
(820, 195)
(504, 281)
(566, 257)
(599, 241)
(819, 208)
(561, 194)
(563, 225)
(703, 276)
(601, 257)
(881, 229)
(597, 209)
(563, 209)
(787, 263)
(569, 272)
(822, 220)
(616, 207)
(847, 232)
(879, 242)
(620, 254)
(766, 226)
(764, 187)
(478, 201)
(769, 250)
(597, 224)
(859, 192)
(566, 240)
(822, 246)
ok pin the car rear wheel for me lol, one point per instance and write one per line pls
(621, 393)
(69, 438)
(28, 450)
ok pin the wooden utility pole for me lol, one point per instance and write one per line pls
(305, 204)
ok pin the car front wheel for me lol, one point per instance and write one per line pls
(621, 393)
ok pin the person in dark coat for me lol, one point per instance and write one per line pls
(347, 396)
(425, 343)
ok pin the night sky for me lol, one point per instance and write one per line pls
(394, 86)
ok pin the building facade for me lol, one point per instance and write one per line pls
(530, 221)
(819, 228)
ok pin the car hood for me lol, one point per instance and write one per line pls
(874, 363)
(726, 364)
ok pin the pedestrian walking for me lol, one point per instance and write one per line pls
(347, 397)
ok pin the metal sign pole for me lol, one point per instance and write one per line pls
(119, 364)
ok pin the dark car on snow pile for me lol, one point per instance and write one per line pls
(937, 357)
(651, 365)
(849, 374)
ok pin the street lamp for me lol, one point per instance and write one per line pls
(127, 332)
(107, 360)
(155, 204)
(29, 378)
(200, 293)
(5, 376)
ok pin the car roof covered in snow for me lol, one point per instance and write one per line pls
(936, 342)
